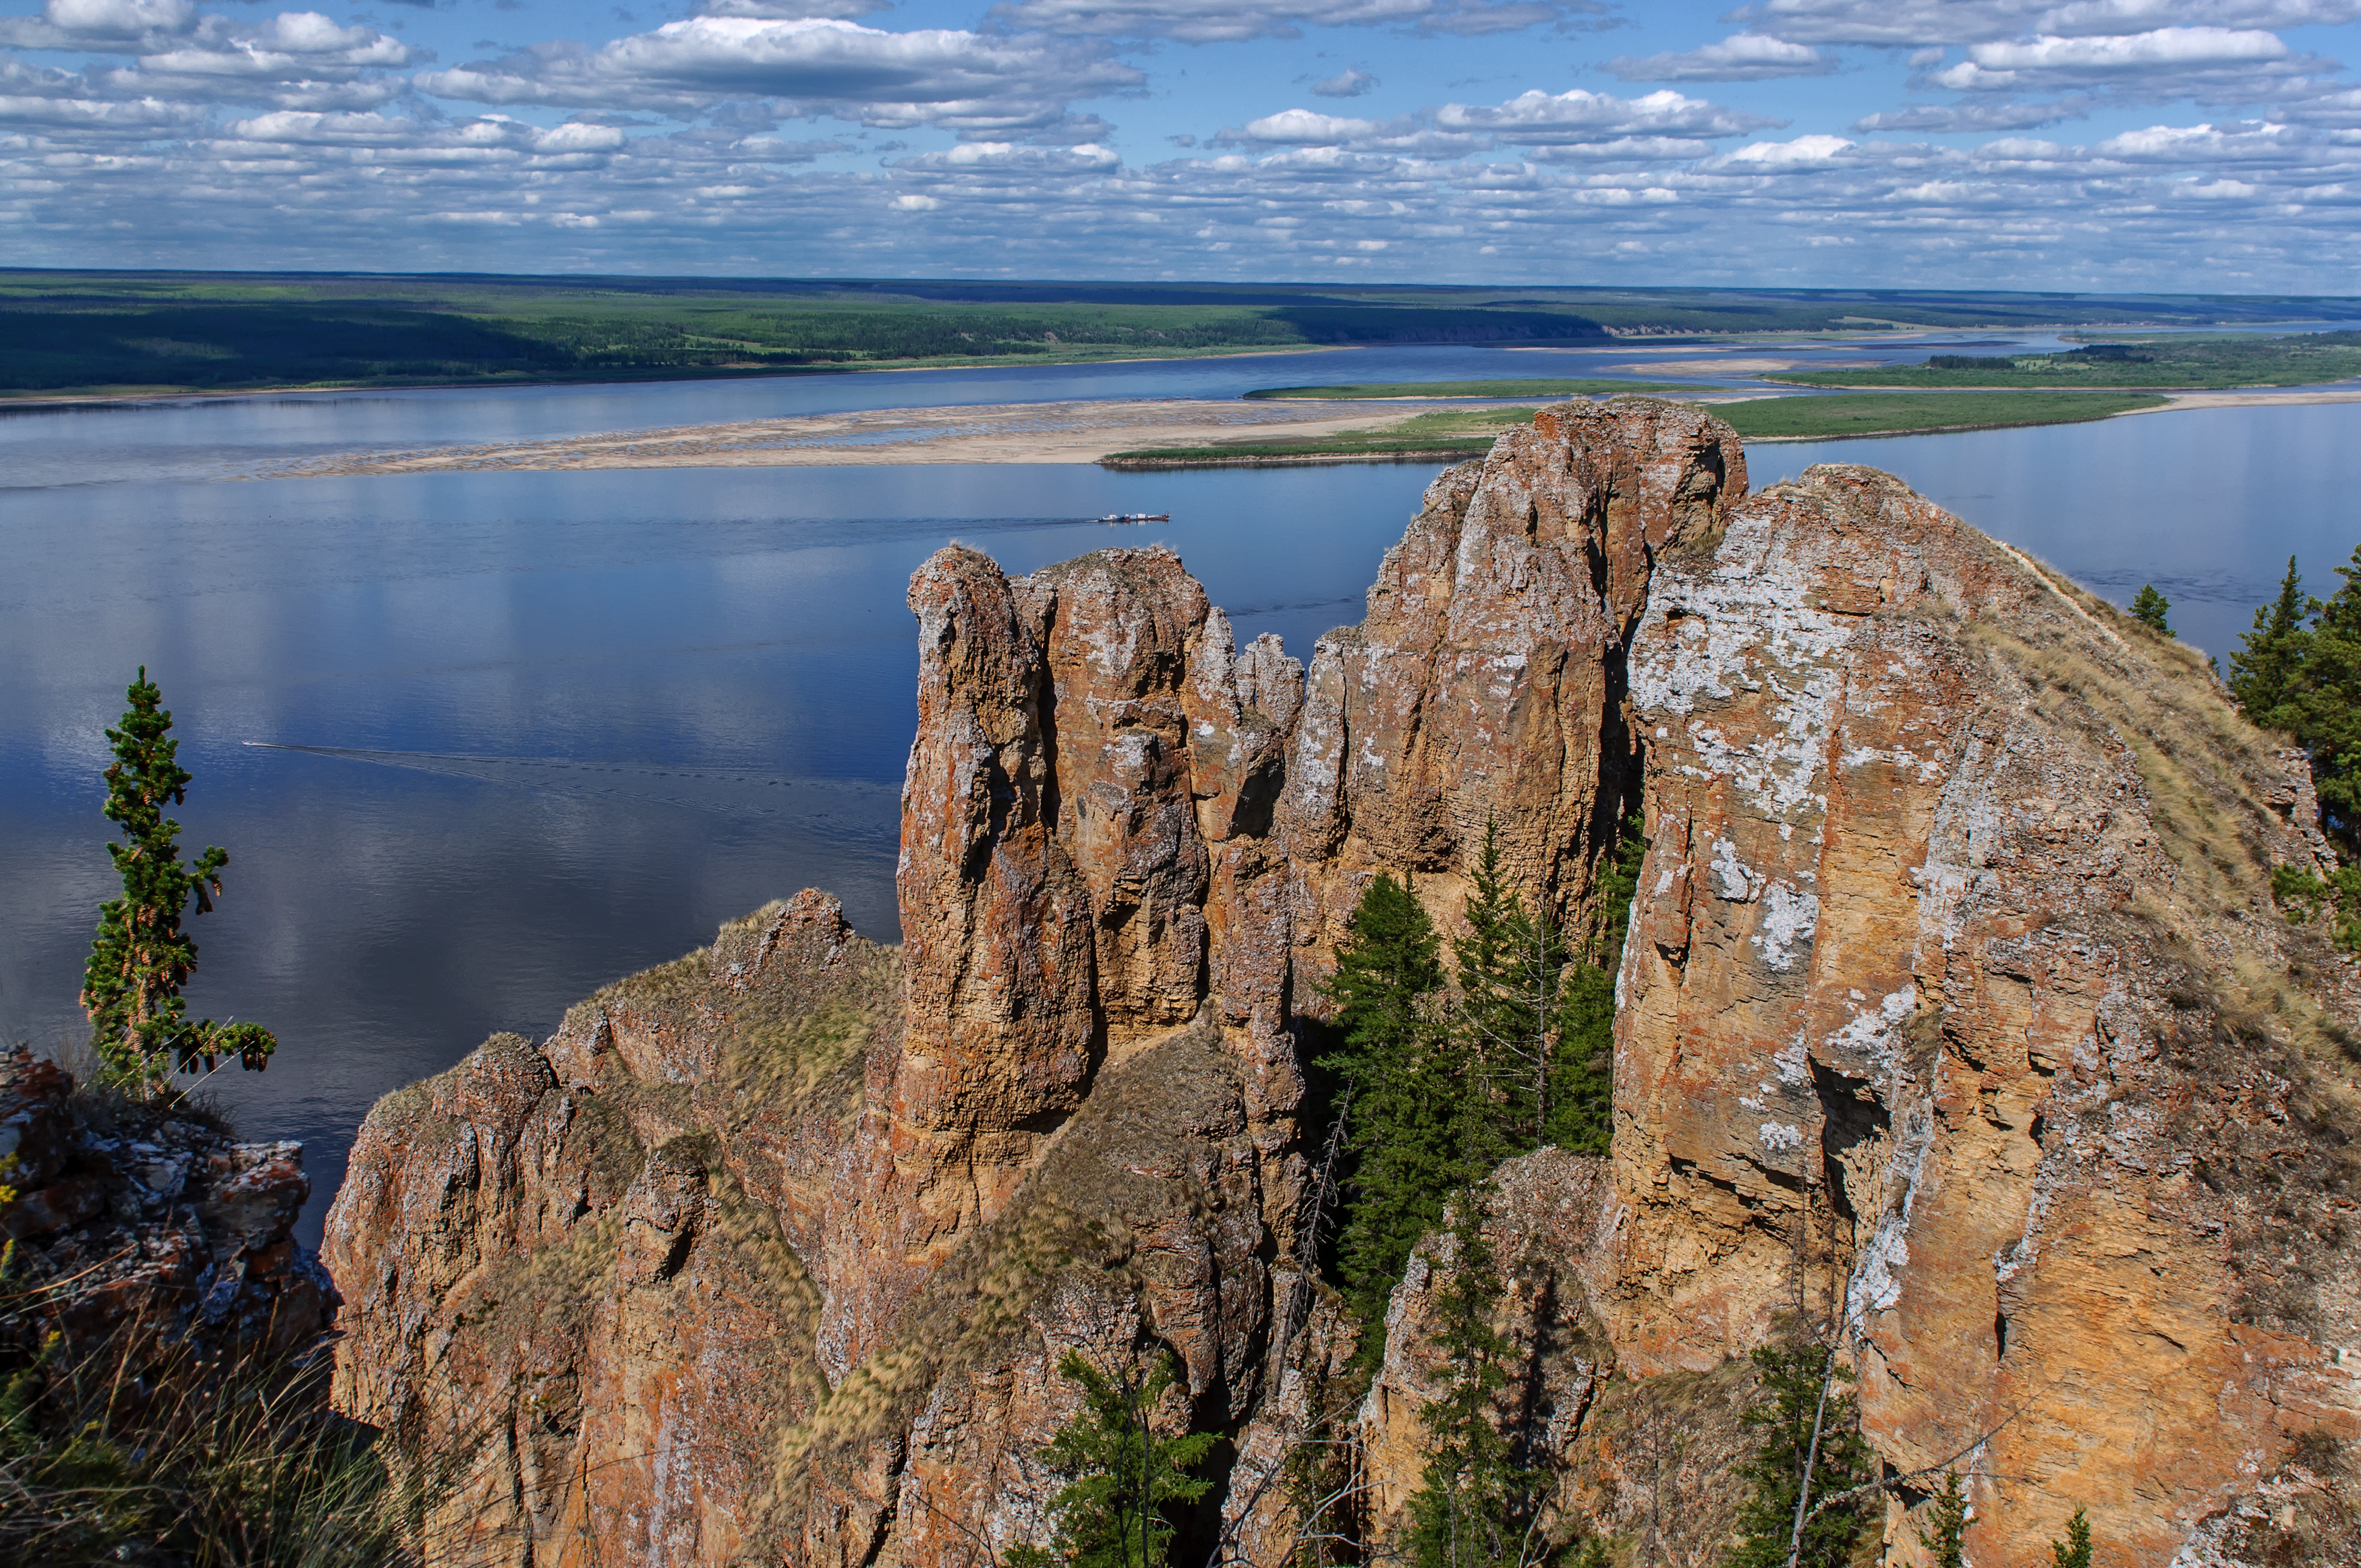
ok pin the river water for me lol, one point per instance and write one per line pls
(477, 743)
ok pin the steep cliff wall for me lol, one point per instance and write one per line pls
(1956, 1007)
(1954, 1012)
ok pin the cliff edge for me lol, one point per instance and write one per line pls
(1955, 1008)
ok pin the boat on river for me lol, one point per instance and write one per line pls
(1138, 517)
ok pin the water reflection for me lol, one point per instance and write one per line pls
(513, 734)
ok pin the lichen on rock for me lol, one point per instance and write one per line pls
(1954, 1013)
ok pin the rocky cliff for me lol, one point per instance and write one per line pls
(1956, 1011)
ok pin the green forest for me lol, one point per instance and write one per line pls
(154, 332)
(2214, 362)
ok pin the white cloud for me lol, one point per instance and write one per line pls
(1742, 57)
(1349, 83)
(1913, 22)
(1579, 115)
(1954, 118)
(1221, 21)
(963, 80)
(1803, 152)
(1306, 127)
(789, 10)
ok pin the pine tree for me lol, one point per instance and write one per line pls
(2075, 1551)
(1474, 1501)
(2323, 705)
(1944, 1535)
(2148, 608)
(1119, 1472)
(1407, 1091)
(1582, 1110)
(1810, 1430)
(1491, 1017)
(141, 957)
(2266, 657)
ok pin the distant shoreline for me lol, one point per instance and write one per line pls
(1072, 432)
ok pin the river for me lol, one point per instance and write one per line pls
(477, 743)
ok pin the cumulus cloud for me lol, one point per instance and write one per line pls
(1954, 118)
(1349, 83)
(1742, 57)
(1803, 152)
(1910, 22)
(2165, 61)
(963, 80)
(1579, 115)
(1222, 21)
(789, 10)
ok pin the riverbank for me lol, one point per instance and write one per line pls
(1080, 431)
(1179, 432)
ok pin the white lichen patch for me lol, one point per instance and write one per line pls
(1871, 1033)
(1782, 1136)
(1790, 916)
(1734, 882)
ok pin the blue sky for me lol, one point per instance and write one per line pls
(2180, 145)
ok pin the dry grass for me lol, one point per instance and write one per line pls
(135, 1451)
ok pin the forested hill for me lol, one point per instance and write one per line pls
(119, 333)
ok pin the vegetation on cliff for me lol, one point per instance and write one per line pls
(136, 1452)
(1812, 1449)
(1121, 1474)
(2299, 670)
(142, 957)
(1442, 1082)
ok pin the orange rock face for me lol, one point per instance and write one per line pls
(1956, 1012)
(1954, 1015)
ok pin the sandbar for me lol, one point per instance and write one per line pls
(1075, 432)
(990, 432)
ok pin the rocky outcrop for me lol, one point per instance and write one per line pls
(1956, 1011)
(1955, 1016)
(135, 1225)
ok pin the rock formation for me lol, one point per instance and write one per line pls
(131, 1220)
(1956, 1012)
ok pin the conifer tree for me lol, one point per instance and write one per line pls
(2149, 607)
(1811, 1436)
(141, 957)
(2323, 705)
(2075, 1551)
(1475, 1502)
(1582, 1110)
(1945, 1533)
(1511, 963)
(2268, 656)
(1406, 1090)
(1119, 1472)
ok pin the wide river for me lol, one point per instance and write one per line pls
(477, 743)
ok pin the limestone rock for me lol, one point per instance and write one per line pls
(141, 1219)
(1956, 1011)
(1954, 1015)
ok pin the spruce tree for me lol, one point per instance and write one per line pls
(1811, 1431)
(1945, 1533)
(2268, 656)
(1120, 1473)
(1407, 1091)
(2149, 607)
(141, 957)
(2075, 1551)
(1475, 1500)
(2323, 705)
(1582, 1108)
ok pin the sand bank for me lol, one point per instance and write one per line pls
(994, 432)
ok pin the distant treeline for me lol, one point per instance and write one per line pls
(90, 332)
(2298, 359)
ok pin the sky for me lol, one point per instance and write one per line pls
(2206, 146)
